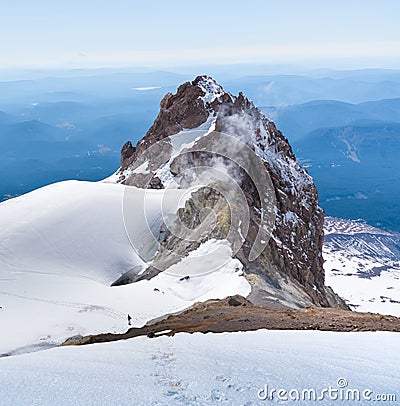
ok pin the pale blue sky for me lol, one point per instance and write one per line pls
(166, 33)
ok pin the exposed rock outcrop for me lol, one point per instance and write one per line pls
(289, 271)
(238, 314)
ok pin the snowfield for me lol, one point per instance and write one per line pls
(62, 246)
(69, 228)
(229, 368)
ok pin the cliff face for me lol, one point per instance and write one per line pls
(245, 186)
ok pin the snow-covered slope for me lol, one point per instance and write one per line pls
(229, 369)
(63, 245)
(68, 228)
(362, 265)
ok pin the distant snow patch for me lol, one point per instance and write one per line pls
(143, 89)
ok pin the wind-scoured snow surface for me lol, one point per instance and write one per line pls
(229, 369)
(63, 245)
(362, 265)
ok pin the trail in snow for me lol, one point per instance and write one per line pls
(228, 368)
(63, 245)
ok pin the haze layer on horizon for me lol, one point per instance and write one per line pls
(76, 34)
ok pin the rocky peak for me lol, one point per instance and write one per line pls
(188, 108)
(289, 270)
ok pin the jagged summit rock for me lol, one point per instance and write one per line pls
(289, 272)
(187, 109)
